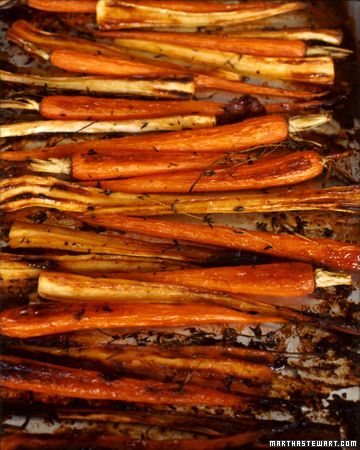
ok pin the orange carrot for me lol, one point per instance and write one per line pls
(115, 66)
(44, 378)
(287, 170)
(227, 43)
(101, 167)
(90, 108)
(68, 6)
(328, 252)
(279, 280)
(259, 131)
(210, 82)
(42, 319)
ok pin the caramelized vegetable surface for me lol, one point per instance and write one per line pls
(325, 251)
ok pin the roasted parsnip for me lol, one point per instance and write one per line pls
(177, 88)
(317, 70)
(330, 36)
(126, 14)
(30, 191)
(109, 126)
(25, 235)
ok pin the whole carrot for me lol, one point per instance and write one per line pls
(327, 252)
(277, 279)
(41, 320)
(64, 107)
(115, 66)
(281, 171)
(258, 131)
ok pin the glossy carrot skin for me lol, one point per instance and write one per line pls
(249, 133)
(327, 252)
(69, 6)
(283, 171)
(226, 43)
(203, 81)
(278, 280)
(259, 131)
(115, 66)
(41, 320)
(102, 167)
(35, 376)
(64, 107)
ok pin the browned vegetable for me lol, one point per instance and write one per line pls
(117, 14)
(227, 43)
(282, 171)
(43, 319)
(328, 252)
(26, 374)
(89, 108)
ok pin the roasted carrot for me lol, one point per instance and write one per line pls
(117, 15)
(240, 136)
(204, 81)
(278, 279)
(91, 108)
(69, 6)
(327, 252)
(102, 167)
(285, 170)
(33, 441)
(32, 38)
(62, 107)
(26, 374)
(115, 66)
(44, 319)
(227, 43)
